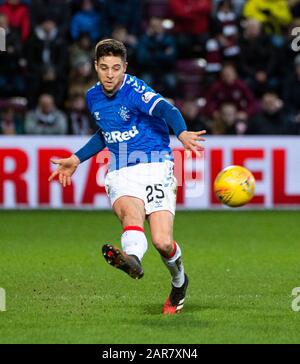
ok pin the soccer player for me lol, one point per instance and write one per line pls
(133, 124)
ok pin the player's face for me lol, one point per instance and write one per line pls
(110, 70)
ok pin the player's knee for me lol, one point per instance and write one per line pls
(163, 243)
(129, 218)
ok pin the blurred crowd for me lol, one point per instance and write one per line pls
(231, 66)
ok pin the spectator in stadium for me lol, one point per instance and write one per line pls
(271, 119)
(121, 34)
(87, 20)
(229, 88)
(214, 58)
(294, 125)
(191, 19)
(46, 119)
(225, 24)
(12, 62)
(10, 122)
(18, 17)
(226, 121)
(81, 78)
(47, 61)
(295, 8)
(223, 42)
(126, 13)
(79, 119)
(257, 58)
(291, 91)
(237, 6)
(83, 47)
(59, 10)
(156, 55)
(191, 113)
(274, 15)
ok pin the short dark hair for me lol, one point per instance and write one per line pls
(110, 47)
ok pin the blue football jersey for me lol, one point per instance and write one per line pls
(130, 131)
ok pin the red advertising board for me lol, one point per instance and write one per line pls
(25, 166)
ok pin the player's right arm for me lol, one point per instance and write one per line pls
(67, 166)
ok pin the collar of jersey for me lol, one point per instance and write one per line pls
(113, 94)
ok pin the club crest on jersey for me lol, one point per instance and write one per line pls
(124, 113)
(118, 136)
(147, 96)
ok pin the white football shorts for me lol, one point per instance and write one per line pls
(154, 183)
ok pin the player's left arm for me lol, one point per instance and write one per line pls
(189, 139)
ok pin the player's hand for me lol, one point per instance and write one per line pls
(190, 141)
(65, 169)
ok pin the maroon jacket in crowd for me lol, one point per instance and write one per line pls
(238, 94)
(18, 18)
(191, 16)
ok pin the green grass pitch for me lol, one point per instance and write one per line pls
(242, 266)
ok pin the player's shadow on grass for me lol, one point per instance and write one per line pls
(159, 321)
(172, 322)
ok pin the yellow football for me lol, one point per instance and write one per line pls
(234, 186)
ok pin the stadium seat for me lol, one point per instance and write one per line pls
(157, 8)
(190, 75)
(18, 104)
(191, 68)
